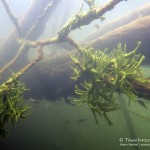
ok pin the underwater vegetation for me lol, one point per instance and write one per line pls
(12, 106)
(104, 74)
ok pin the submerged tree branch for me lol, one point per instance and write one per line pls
(75, 22)
(23, 43)
(81, 19)
(43, 42)
(73, 43)
(39, 57)
(14, 59)
(12, 17)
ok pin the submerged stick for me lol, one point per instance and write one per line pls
(31, 64)
(14, 59)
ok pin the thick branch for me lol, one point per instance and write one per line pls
(77, 21)
(81, 19)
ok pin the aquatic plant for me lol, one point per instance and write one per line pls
(12, 106)
(104, 74)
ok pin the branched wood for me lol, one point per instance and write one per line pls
(43, 42)
(12, 17)
(75, 22)
(27, 67)
(23, 41)
(81, 19)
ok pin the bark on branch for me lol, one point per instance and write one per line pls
(81, 19)
(75, 22)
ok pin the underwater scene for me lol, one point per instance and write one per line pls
(75, 75)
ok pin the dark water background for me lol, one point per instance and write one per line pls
(59, 126)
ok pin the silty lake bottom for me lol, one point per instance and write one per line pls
(59, 126)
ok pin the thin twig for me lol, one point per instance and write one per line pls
(14, 59)
(31, 64)
(73, 43)
(27, 67)
(43, 42)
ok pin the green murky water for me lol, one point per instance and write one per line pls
(59, 126)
